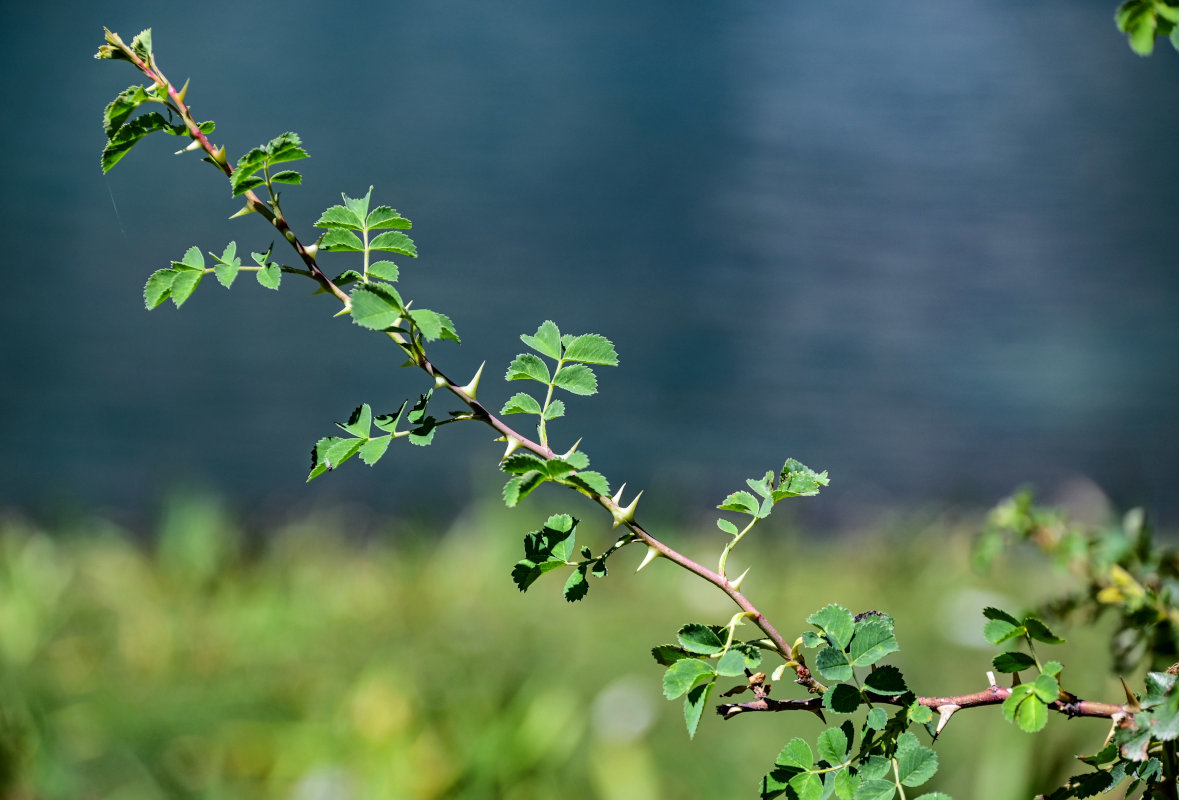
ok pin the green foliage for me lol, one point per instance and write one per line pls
(1143, 20)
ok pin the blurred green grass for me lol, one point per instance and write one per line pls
(315, 664)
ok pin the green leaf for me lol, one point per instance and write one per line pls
(1040, 632)
(372, 450)
(526, 365)
(833, 746)
(521, 403)
(227, 265)
(875, 789)
(915, 763)
(383, 270)
(697, 638)
(594, 481)
(270, 276)
(1013, 662)
(886, 680)
(338, 240)
(873, 640)
(1000, 626)
(376, 307)
(287, 176)
(683, 674)
(546, 340)
(1046, 687)
(920, 714)
(525, 572)
(385, 217)
(118, 110)
(807, 786)
(184, 284)
(141, 44)
(846, 784)
(799, 480)
(876, 719)
(833, 665)
(694, 705)
(836, 622)
(874, 767)
(727, 527)
(556, 409)
(731, 664)
(590, 348)
(158, 287)
(358, 206)
(842, 698)
(388, 422)
(668, 654)
(433, 325)
(1025, 709)
(520, 486)
(935, 796)
(339, 217)
(128, 135)
(394, 242)
(285, 147)
(576, 378)
(577, 458)
(741, 501)
(523, 463)
(577, 586)
(342, 450)
(359, 423)
(797, 754)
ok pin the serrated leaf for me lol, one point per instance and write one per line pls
(990, 612)
(796, 754)
(833, 665)
(594, 481)
(886, 680)
(433, 325)
(590, 348)
(920, 714)
(383, 270)
(1025, 709)
(270, 276)
(875, 766)
(668, 654)
(520, 486)
(338, 240)
(873, 640)
(342, 450)
(556, 409)
(1013, 662)
(1040, 632)
(740, 501)
(683, 674)
(546, 340)
(836, 622)
(727, 527)
(118, 110)
(141, 44)
(697, 638)
(359, 422)
(799, 480)
(876, 719)
(184, 284)
(394, 242)
(521, 403)
(285, 147)
(578, 459)
(158, 287)
(527, 366)
(376, 307)
(694, 705)
(358, 205)
(288, 176)
(372, 450)
(577, 379)
(833, 746)
(522, 463)
(842, 698)
(339, 217)
(846, 784)
(388, 422)
(998, 631)
(128, 135)
(385, 217)
(227, 265)
(576, 587)
(915, 763)
(1046, 687)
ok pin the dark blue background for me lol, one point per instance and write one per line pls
(928, 248)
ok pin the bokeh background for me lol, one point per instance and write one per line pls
(927, 248)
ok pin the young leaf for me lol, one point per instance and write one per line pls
(873, 641)
(594, 481)
(185, 283)
(886, 680)
(546, 340)
(227, 265)
(796, 754)
(915, 763)
(270, 276)
(128, 134)
(1039, 631)
(383, 270)
(287, 176)
(394, 242)
(556, 409)
(359, 423)
(119, 109)
(668, 654)
(799, 480)
(527, 366)
(833, 746)
(842, 698)
(877, 719)
(577, 586)
(520, 486)
(372, 450)
(833, 665)
(338, 240)
(731, 664)
(339, 217)
(1013, 662)
(521, 403)
(740, 501)
(385, 217)
(433, 325)
(590, 348)
(158, 287)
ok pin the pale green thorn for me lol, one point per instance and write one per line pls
(195, 144)
(573, 450)
(652, 554)
(617, 498)
(627, 514)
(736, 584)
(343, 312)
(181, 94)
(247, 209)
(312, 249)
(219, 156)
(473, 386)
(440, 381)
(514, 444)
